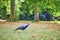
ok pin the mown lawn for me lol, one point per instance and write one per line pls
(31, 33)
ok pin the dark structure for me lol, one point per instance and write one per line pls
(57, 18)
(42, 17)
(8, 16)
(31, 17)
(46, 16)
(22, 16)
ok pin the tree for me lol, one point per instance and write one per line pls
(33, 5)
(12, 6)
(36, 13)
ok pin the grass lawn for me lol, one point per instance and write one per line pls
(38, 32)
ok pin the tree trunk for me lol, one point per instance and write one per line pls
(36, 14)
(12, 6)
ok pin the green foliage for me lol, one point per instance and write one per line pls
(17, 11)
(52, 6)
(3, 8)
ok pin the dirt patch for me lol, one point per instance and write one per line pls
(36, 24)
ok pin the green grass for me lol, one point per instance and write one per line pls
(31, 33)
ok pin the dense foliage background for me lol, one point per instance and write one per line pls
(12, 9)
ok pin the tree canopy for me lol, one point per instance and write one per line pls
(27, 6)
